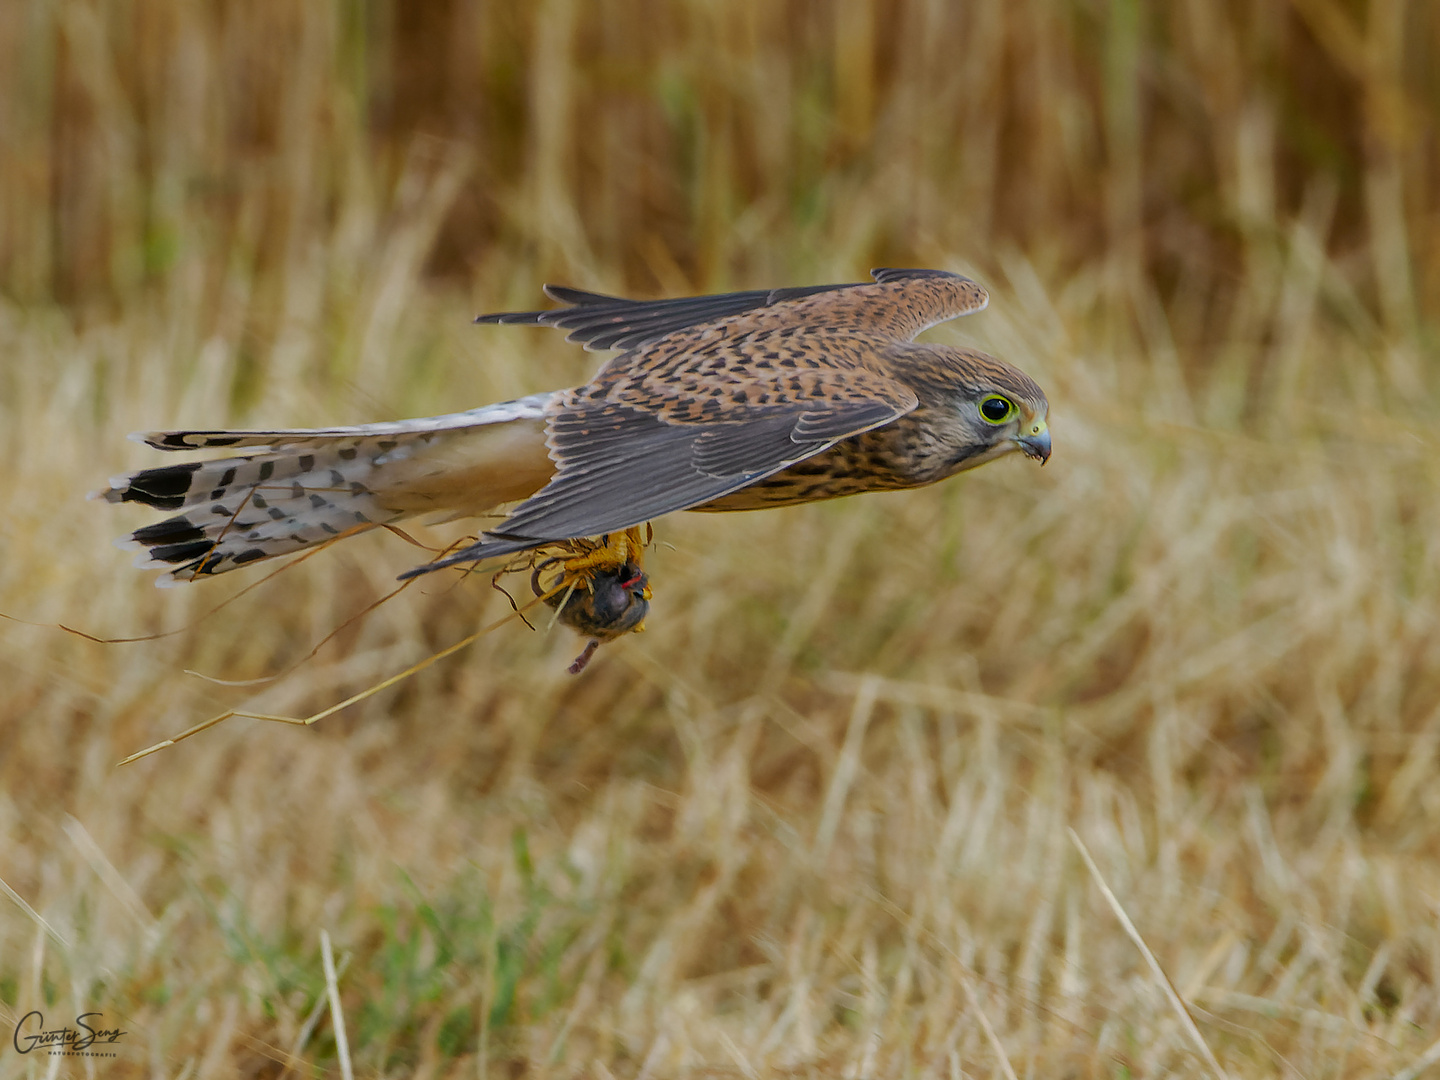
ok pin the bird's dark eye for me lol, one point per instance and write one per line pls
(997, 409)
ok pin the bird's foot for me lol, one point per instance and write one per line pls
(614, 552)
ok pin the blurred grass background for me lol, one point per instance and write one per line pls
(813, 822)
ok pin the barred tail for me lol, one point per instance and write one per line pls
(313, 485)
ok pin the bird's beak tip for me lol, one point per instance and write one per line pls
(1036, 446)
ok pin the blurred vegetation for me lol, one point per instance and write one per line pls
(814, 820)
(679, 145)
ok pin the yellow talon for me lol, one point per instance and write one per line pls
(616, 592)
(617, 550)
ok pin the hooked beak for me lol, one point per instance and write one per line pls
(1036, 441)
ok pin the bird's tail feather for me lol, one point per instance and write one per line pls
(526, 408)
(309, 486)
(239, 510)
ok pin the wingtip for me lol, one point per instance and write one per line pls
(475, 553)
(421, 571)
(431, 567)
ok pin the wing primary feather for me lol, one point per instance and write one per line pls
(599, 321)
(605, 322)
(566, 295)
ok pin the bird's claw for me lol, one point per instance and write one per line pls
(601, 590)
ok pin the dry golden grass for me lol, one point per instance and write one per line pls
(816, 821)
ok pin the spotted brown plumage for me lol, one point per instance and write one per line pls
(729, 402)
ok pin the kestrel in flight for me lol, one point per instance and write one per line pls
(737, 401)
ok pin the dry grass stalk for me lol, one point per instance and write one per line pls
(337, 1013)
(1182, 1011)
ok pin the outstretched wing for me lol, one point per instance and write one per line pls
(620, 466)
(612, 322)
(900, 304)
(626, 455)
(715, 394)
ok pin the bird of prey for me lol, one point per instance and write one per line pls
(738, 401)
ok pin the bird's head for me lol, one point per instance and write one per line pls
(980, 408)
